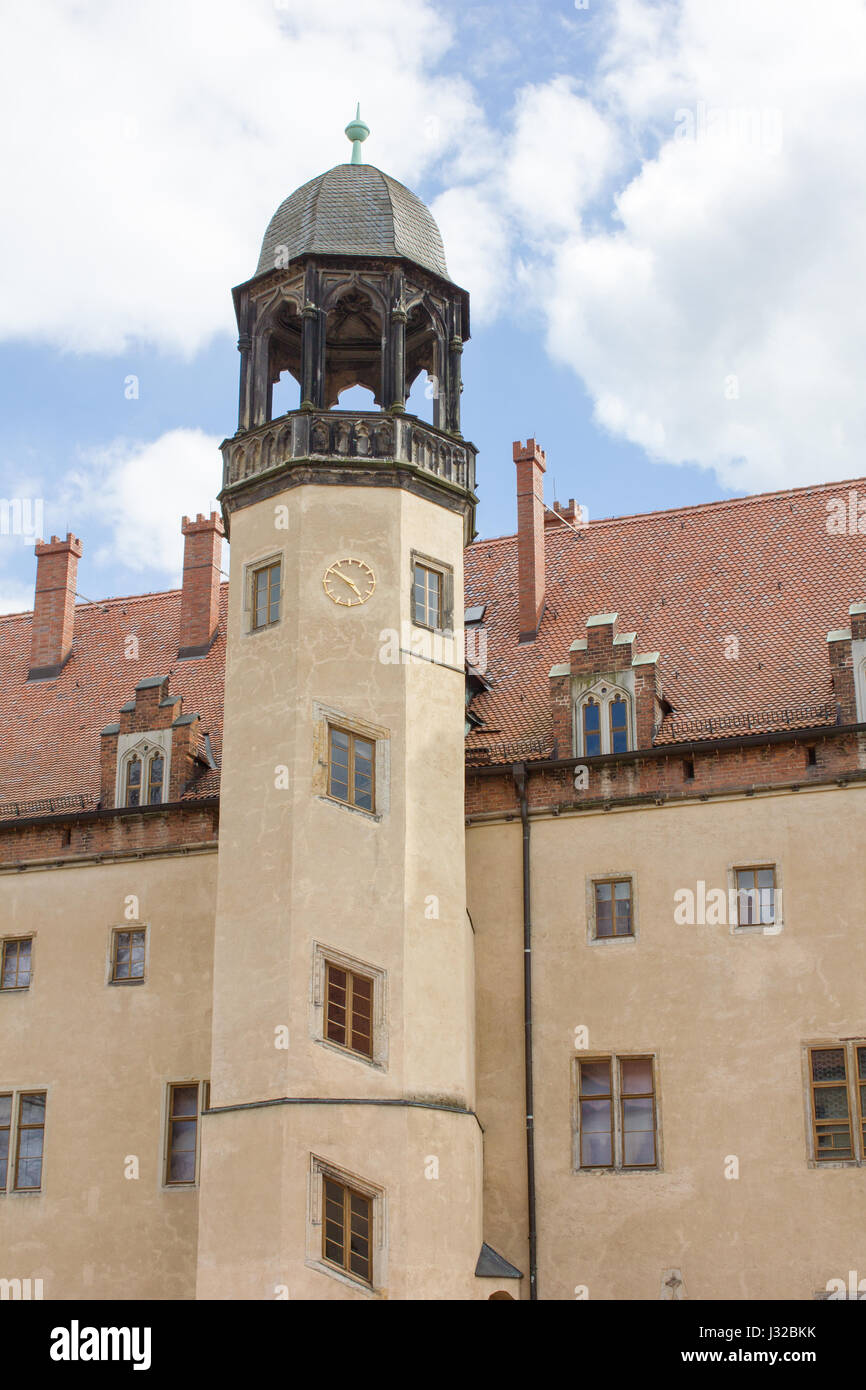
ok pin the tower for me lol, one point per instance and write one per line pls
(341, 1153)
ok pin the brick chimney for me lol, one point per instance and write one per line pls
(200, 597)
(530, 536)
(54, 606)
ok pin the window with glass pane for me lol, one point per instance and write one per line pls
(861, 1097)
(596, 1115)
(613, 907)
(266, 595)
(156, 772)
(637, 1101)
(427, 596)
(349, 1009)
(31, 1134)
(15, 972)
(133, 782)
(182, 1136)
(128, 956)
(351, 764)
(591, 728)
(830, 1113)
(618, 712)
(756, 896)
(347, 1229)
(5, 1136)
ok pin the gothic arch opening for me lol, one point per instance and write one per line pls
(425, 353)
(353, 346)
(283, 337)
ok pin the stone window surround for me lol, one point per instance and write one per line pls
(322, 955)
(325, 718)
(599, 876)
(621, 684)
(250, 567)
(142, 743)
(858, 658)
(321, 1168)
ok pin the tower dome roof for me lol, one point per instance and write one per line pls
(354, 210)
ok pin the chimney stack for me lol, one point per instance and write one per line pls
(200, 596)
(54, 606)
(529, 459)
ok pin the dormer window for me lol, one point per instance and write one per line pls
(144, 778)
(603, 721)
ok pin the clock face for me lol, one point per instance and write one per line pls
(349, 582)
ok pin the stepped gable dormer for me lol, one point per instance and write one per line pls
(846, 651)
(151, 754)
(607, 697)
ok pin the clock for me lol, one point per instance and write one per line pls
(349, 582)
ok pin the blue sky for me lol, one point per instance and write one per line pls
(656, 206)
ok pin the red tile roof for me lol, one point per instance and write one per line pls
(50, 746)
(763, 568)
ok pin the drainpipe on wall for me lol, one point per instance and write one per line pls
(518, 772)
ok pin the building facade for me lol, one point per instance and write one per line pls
(423, 917)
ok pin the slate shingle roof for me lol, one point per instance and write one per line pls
(354, 210)
(762, 568)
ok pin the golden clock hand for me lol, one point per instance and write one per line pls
(346, 580)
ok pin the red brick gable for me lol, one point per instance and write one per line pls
(51, 729)
(763, 569)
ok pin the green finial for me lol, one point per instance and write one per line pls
(357, 131)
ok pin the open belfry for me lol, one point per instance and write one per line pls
(422, 917)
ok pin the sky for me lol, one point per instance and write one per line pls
(657, 206)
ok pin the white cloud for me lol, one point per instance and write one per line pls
(139, 491)
(146, 147)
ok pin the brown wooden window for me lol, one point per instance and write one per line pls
(349, 1009)
(5, 1136)
(31, 1135)
(831, 1120)
(426, 595)
(638, 1112)
(613, 907)
(16, 963)
(596, 1114)
(351, 768)
(617, 1120)
(347, 1229)
(756, 896)
(266, 594)
(127, 956)
(182, 1134)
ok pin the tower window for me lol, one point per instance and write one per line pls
(265, 599)
(349, 1020)
(427, 596)
(347, 1229)
(127, 956)
(16, 963)
(351, 764)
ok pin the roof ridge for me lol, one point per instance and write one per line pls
(720, 502)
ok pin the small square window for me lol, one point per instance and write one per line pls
(15, 971)
(613, 914)
(349, 1009)
(127, 956)
(756, 896)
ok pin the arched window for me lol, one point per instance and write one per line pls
(155, 774)
(133, 782)
(603, 721)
